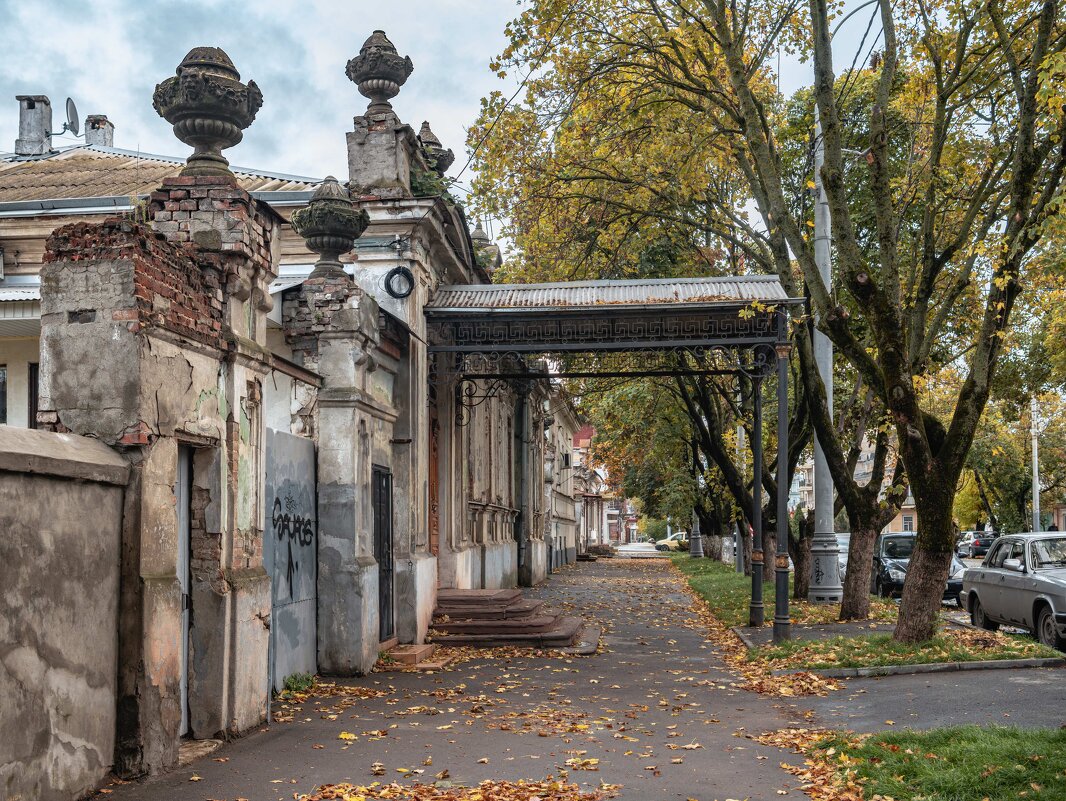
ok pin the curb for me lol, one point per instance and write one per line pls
(738, 630)
(934, 667)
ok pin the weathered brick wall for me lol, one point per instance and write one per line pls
(229, 232)
(169, 288)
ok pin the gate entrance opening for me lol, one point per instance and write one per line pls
(488, 336)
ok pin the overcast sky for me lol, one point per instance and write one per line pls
(108, 56)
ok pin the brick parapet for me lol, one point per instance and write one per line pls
(228, 228)
(170, 290)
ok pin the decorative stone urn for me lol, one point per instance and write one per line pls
(209, 108)
(379, 72)
(440, 158)
(330, 224)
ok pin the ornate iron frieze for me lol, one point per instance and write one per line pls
(603, 332)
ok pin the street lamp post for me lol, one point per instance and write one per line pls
(695, 541)
(825, 567)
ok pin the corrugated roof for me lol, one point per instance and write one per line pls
(20, 288)
(89, 171)
(587, 294)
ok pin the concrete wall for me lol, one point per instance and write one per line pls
(61, 502)
(17, 353)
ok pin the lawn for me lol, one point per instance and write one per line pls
(960, 763)
(728, 594)
(954, 645)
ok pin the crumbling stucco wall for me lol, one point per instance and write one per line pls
(61, 510)
(153, 340)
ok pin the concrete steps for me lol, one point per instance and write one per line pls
(492, 618)
(563, 634)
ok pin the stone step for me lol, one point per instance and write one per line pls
(562, 635)
(524, 607)
(477, 597)
(537, 623)
(412, 654)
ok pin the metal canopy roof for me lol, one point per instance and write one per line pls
(594, 294)
(610, 316)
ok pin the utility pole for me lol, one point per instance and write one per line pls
(825, 569)
(1034, 433)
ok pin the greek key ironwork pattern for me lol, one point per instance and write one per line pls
(607, 332)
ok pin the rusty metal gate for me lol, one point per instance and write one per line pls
(381, 499)
(290, 554)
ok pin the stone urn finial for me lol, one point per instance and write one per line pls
(330, 224)
(379, 72)
(479, 236)
(440, 158)
(209, 108)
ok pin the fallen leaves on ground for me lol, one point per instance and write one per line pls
(550, 789)
(826, 775)
(756, 674)
(291, 703)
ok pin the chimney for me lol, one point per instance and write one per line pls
(99, 130)
(35, 126)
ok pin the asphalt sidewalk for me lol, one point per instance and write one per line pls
(656, 712)
(1026, 697)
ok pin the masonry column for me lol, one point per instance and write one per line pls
(332, 327)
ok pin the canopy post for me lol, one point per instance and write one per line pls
(782, 620)
(756, 612)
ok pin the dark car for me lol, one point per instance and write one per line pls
(974, 543)
(892, 557)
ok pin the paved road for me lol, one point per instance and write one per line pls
(1029, 697)
(657, 689)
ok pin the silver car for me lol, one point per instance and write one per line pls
(1022, 582)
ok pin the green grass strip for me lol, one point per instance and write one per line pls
(959, 763)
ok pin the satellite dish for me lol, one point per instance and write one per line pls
(72, 118)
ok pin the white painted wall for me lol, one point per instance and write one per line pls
(17, 353)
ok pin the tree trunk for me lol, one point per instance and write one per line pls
(800, 551)
(929, 566)
(855, 604)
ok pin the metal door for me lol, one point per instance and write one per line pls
(182, 493)
(382, 503)
(290, 555)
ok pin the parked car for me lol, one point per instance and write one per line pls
(843, 543)
(1022, 582)
(673, 542)
(638, 550)
(892, 557)
(974, 543)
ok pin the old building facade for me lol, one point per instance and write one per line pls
(302, 474)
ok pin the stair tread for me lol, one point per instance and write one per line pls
(523, 607)
(489, 626)
(477, 597)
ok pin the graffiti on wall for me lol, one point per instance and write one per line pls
(293, 533)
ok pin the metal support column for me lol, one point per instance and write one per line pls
(782, 621)
(756, 613)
